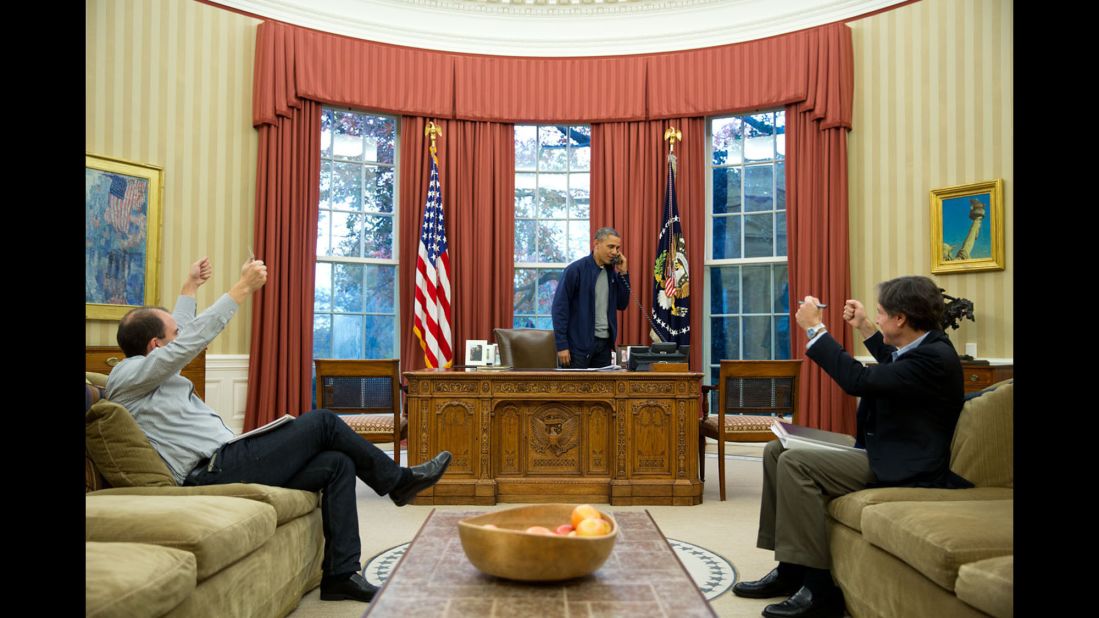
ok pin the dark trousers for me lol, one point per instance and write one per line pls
(600, 355)
(317, 451)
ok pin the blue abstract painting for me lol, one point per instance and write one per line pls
(116, 224)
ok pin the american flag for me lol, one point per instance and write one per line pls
(123, 197)
(432, 319)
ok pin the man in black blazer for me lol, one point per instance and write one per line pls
(910, 405)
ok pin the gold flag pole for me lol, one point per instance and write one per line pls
(672, 135)
(433, 130)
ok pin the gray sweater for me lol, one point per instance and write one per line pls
(179, 425)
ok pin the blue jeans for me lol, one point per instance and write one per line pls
(317, 451)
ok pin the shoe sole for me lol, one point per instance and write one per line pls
(764, 595)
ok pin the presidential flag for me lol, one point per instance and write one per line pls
(671, 278)
(432, 309)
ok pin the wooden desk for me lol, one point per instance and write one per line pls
(103, 358)
(978, 377)
(617, 437)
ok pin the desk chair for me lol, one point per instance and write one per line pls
(526, 348)
(751, 393)
(366, 394)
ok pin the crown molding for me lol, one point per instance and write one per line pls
(567, 28)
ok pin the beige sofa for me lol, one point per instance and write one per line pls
(156, 549)
(900, 552)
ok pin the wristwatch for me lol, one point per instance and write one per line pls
(813, 331)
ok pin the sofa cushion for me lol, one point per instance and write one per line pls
(936, 538)
(135, 579)
(988, 585)
(983, 446)
(218, 530)
(848, 509)
(120, 450)
(289, 504)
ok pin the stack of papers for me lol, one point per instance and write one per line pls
(798, 436)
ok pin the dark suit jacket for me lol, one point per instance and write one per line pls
(909, 408)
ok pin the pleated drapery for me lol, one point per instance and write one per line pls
(628, 100)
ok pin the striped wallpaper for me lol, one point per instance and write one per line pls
(170, 84)
(933, 109)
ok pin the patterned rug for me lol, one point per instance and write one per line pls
(711, 572)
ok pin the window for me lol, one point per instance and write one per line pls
(355, 304)
(747, 299)
(552, 212)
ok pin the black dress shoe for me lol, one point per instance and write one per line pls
(354, 588)
(770, 585)
(423, 476)
(804, 605)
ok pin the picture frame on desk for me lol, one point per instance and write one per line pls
(967, 228)
(479, 353)
(122, 217)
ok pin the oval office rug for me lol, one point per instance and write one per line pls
(712, 573)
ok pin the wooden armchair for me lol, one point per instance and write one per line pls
(366, 394)
(751, 393)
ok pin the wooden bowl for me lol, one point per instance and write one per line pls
(508, 552)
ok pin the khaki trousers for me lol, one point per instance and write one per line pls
(798, 484)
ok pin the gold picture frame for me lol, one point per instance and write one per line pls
(967, 228)
(122, 218)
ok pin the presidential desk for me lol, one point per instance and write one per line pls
(618, 437)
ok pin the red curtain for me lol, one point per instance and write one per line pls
(477, 173)
(629, 170)
(287, 194)
(816, 189)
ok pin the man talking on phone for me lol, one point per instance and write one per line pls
(590, 292)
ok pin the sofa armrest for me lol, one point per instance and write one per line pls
(289, 504)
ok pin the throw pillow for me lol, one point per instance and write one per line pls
(120, 449)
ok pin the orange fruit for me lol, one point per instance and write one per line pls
(539, 530)
(582, 512)
(592, 526)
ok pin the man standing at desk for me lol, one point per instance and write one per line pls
(590, 292)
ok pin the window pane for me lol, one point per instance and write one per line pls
(780, 186)
(757, 337)
(523, 321)
(378, 236)
(380, 142)
(759, 235)
(579, 196)
(347, 336)
(782, 290)
(379, 336)
(547, 287)
(724, 338)
(579, 237)
(726, 141)
(381, 284)
(780, 234)
(346, 231)
(526, 147)
(524, 241)
(725, 290)
(726, 189)
(326, 183)
(322, 335)
(552, 195)
(524, 290)
(758, 188)
(543, 323)
(757, 289)
(759, 141)
(524, 195)
(347, 287)
(379, 189)
(782, 337)
(347, 139)
(552, 241)
(322, 293)
(727, 237)
(780, 134)
(552, 149)
(580, 148)
(326, 132)
(346, 189)
(324, 233)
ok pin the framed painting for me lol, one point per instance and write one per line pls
(122, 214)
(967, 228)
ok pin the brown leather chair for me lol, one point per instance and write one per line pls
(751, 394)
(366, 394)
(526, 348)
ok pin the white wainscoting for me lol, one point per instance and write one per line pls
(227, 387)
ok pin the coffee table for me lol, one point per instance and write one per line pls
(642, 577)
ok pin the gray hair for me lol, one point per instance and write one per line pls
(604, 232)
